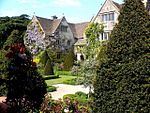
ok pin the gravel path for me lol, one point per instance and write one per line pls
(63, 89)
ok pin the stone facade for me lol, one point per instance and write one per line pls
(108, 16)
(43, 33)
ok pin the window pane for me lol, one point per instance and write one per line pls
(111, 16)
(105, 35)
(64, 28)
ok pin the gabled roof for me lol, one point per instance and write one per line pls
(49, 26)
(117, 5)
(78, 29)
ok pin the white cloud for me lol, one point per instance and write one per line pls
(70, 3)
(25, 1)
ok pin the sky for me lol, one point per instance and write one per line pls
(75, 11)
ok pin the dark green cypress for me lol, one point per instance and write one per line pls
(48, 69)
(69, 60)
(123, 82)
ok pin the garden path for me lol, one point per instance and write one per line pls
(63, 89)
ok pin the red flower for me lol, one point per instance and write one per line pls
(22, 50)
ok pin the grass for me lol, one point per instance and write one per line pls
(60, 80)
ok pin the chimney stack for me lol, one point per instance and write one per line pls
(54, 17)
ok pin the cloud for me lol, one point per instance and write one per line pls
(64, 3)
(25, 1)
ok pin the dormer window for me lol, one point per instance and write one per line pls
(108, 16)
(64, 28)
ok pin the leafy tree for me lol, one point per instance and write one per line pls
(13, 38)
(92, 33)
(8, 24)
(3, 72)
(26, 88)
(89, 66)
(122, 83)
(11, 31)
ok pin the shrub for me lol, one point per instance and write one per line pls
(26, 87)
(81, 98)
(51, 88)
(69, 60)
(62, 73)
(82, 94)
(71, 81)
(74, 81)
(48, 69)
(48, 77)
(67, 105)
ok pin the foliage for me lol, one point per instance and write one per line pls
(69, 60)
(63, 73)
(26, 88)
(81, 94)
(13, 38)
(11, 31)
(74, 81)
(47, 60)
(51, 88)
(81, 97)
(48, 77)
(92, 33)
(122, 83)
(8, 24)
(87, 69)
(66, 106)
(48, 69)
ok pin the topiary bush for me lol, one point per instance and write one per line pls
(48, 69)
(82, 94)
(69, 60)
(47, 62)
(51, 88)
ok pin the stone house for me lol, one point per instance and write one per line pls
(43, 33)
(108, 16)
(78, 31)
(56, 33)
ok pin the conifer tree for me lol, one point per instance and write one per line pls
(69, 60)
(123, 81)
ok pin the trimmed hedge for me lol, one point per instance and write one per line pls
(51, 88)
(50, 77)
(69, 60)
(48, 69)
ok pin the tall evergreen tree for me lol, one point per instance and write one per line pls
(123, 81)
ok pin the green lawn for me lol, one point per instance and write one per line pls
(59, 80)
